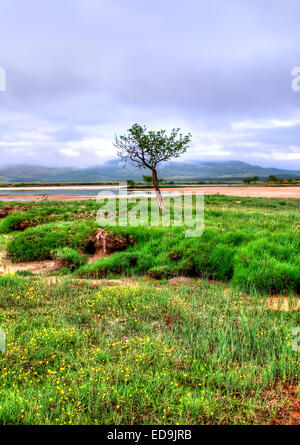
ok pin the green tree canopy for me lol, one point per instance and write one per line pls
(146, 149)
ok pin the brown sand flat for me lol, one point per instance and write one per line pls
(28, 198)
(255, 192)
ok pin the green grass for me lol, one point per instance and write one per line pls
(37, 243)
(9, 223)
(69, 258)
(144, 354)
(152, 353)
(252, 242)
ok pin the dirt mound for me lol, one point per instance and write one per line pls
(102, 243)
(59, 263)
(7, 210)
(23, 225)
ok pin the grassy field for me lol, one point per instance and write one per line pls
(142, 354)
(252, 242)
(145, 351)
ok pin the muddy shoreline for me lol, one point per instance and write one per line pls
(255, 192)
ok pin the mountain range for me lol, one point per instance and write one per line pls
(113, 170)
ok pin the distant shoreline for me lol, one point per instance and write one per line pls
(242, 191)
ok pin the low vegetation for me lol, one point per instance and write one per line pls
(38, 243)
(251, 242)
(143, 354)
(151, 351)
(68, 258)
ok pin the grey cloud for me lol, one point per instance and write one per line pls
(80, 70)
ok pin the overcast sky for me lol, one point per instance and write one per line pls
(79, 71)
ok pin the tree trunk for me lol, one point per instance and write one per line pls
(157, 191)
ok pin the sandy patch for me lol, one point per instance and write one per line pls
(284, 304)
(36, 267)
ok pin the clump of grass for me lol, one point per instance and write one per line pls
(266, 265)
(37, 243)
(252, 242)
(63, 271)
(160, 272)
(69, 258)
(118, 263)
(24, 273)
(12, 282)
(12, 221)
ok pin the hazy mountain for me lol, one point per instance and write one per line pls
(113, 170)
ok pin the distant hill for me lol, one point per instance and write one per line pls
(113, 171)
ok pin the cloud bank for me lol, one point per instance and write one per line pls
(79, 71)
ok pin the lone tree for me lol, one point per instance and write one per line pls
(146, 149)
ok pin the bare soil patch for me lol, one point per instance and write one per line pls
(289, 414)
(102, 243)
(23, 225)
(7, 210)
(281, 304)
(99, 245)
(36, 267)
